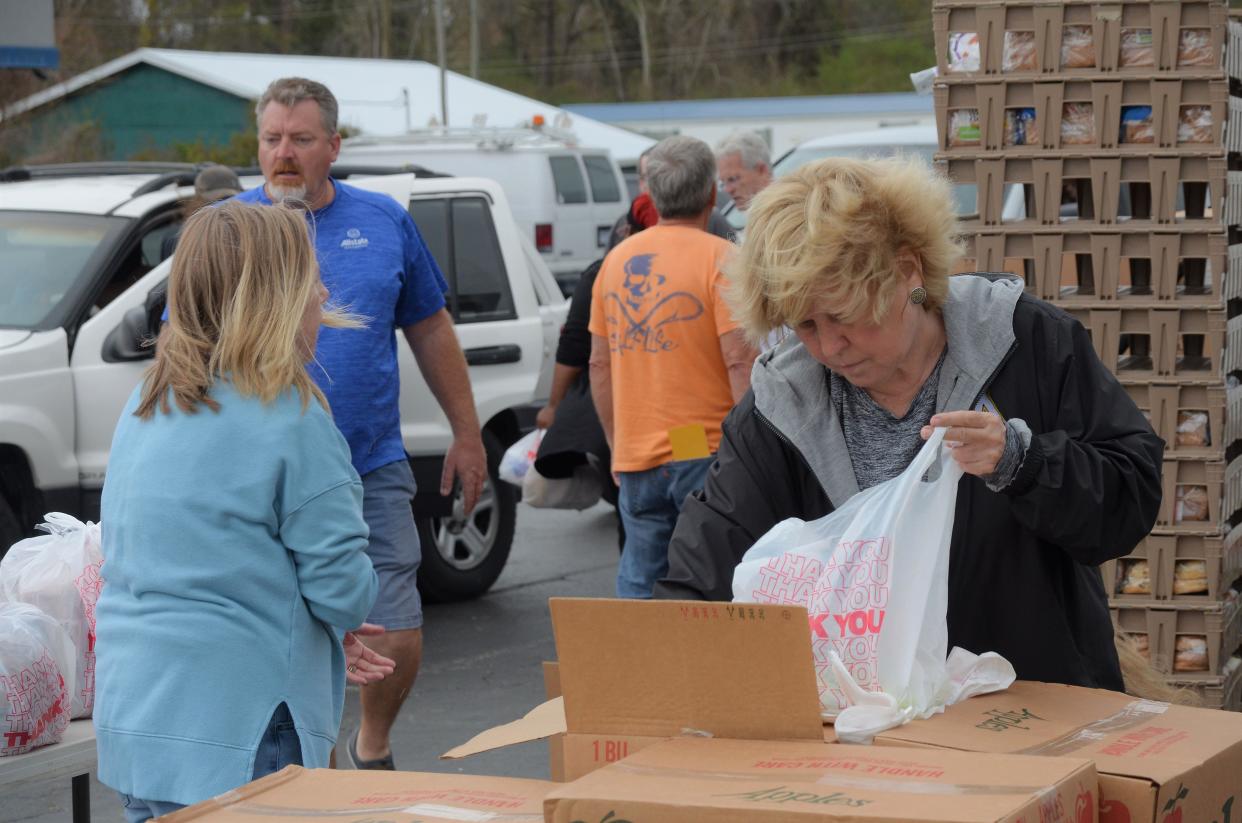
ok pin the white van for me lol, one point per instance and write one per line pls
(916, 141)
(565, 198)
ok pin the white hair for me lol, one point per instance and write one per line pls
(749, 146)
(681, 176)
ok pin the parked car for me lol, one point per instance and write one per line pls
(564, 197)
(84, 289)
(915, 141)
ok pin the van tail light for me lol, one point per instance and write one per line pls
(543, 236)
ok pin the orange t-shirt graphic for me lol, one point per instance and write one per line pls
(659, 303)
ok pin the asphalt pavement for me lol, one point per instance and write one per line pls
(481, 663)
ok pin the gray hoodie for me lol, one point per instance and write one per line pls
(791, 389)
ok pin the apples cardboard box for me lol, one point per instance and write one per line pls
(297, 795)
(708, 780)
(634, 673)
(1157, 763)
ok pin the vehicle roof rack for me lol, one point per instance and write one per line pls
(483, 137)
(41, 170)
(180, 174)
(344, 171)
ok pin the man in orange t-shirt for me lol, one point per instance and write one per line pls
(668, 361)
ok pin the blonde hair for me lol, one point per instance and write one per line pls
(240, 283)
(833, 230)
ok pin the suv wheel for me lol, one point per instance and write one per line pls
(463, 555)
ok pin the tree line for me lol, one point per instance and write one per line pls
(556, 50)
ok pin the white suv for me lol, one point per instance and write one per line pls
(81, 290)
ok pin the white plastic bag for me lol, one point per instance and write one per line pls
(874, 576)
(36, 679)
(520, 457)
(60, 574)
(581, 490)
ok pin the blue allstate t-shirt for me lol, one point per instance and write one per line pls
(374, 263)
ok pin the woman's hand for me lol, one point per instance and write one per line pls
(546, 416)
(362, 665)
(977, 439)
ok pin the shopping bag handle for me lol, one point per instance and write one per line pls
(929, 454)
(59, 523)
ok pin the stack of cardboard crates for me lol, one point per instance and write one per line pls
(1117, 121)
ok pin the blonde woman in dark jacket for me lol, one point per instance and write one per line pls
(1063, 471)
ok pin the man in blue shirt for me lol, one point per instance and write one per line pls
(374, 263)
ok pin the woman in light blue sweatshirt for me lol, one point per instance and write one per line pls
(233, 536)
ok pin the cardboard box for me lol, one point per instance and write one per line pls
(1233, 49)
(1157, 763)
(650, 671)
(1190, 419)
(737, 780)
(1189, 480)
(1233, 338)
(635, 673)
(1233, 134)
(1045, 22)
(1154, 184)
(1218, 626)
(314, 795)
(1233, 197)
(1086, 114)
(1232, 511)
(1163, 553)
(1223, 692)
(1069, 265)
(1188, 344)
(556, 742)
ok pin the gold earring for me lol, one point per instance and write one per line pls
(918, 295)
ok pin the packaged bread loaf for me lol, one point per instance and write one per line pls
(1142, 645)
(1135, 577)
(1190, 577)
(1192, 429)
(1078, 124)
(1191, 504)
(963, 51)
(1077, 48)
(1195, 125)
(1020, 127)
(1194, 48)
(1136, 125)
(964, 128)
(1020, 54)
(1191, 654)
(1136, 49)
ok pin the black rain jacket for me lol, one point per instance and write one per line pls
(1023, 576)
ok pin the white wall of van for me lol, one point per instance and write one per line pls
(565, 199)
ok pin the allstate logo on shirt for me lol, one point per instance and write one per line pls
(354, 240)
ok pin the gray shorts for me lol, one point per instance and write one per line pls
(394, 549)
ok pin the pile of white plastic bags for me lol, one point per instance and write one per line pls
(48, 589)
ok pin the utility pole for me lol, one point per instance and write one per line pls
(443, 63)
(385, 27)
(474, 39)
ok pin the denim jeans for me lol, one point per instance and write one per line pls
(279, 747)
(650, 502)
